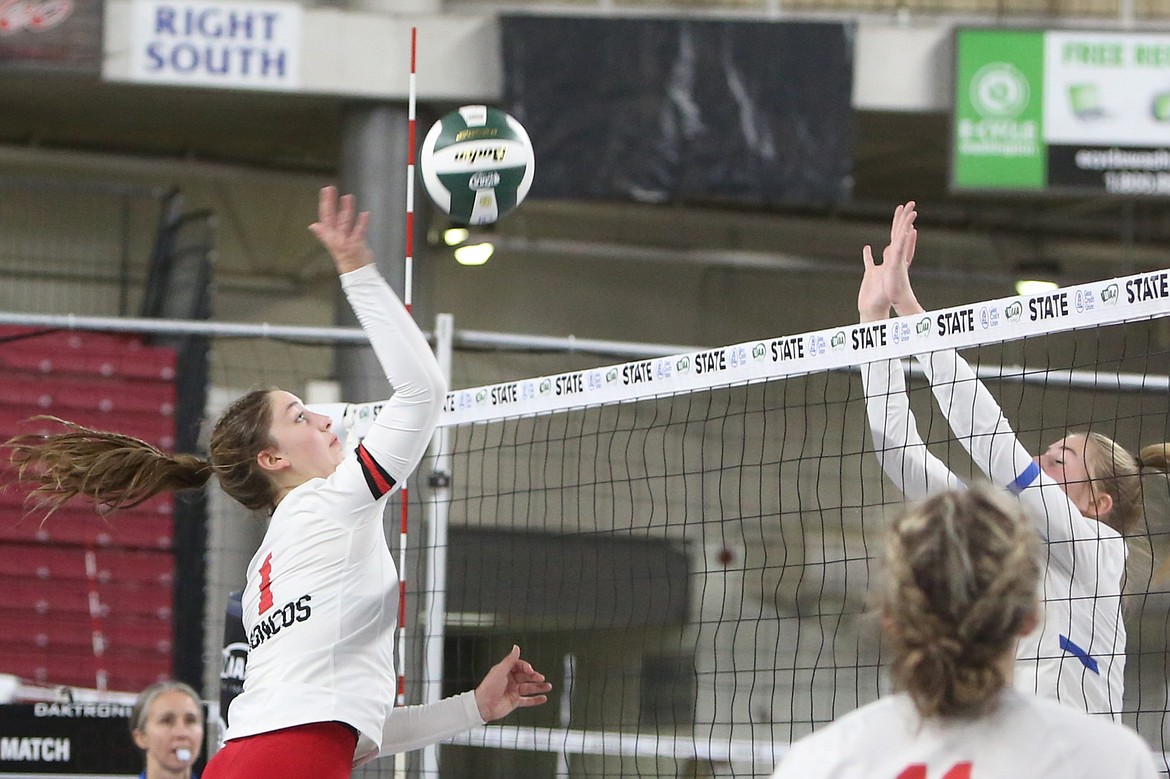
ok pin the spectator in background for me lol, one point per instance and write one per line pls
(167, 725)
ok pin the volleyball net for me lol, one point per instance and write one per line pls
(686, 544)
(683, 543)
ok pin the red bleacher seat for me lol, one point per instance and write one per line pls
(45, 561)
(62, 395)
(80, 668)
(149, 525)
(81, 527)
(51, 568)
(152, 428)
(126, 636)
(70, 340)
(12, 501)
(87, 354)
(72, 597)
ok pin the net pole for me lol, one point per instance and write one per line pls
(438, 509)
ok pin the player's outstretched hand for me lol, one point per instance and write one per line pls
(872, 303)
(896, 260)
(511, 684)
(342, 231)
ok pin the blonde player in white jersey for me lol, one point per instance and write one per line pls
(1082, 494)
(961, 575)
(320, 606)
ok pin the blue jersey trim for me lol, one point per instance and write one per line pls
(1025, 479)
(1079, 654)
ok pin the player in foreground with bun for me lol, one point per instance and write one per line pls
(320, 606)
(962, 570)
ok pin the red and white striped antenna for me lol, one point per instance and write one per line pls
(407, 296)
(400, 698)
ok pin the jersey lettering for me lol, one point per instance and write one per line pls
(266, 584)
(918, 771)
(280, 619)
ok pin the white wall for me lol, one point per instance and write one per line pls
(897, 67)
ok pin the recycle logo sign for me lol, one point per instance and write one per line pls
(1079, 112)
(998, 116)
(999, 90)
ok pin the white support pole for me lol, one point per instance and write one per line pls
(570, 671)
(1125, 13)
(437, 511)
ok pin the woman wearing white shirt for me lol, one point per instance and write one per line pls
(1082, 494)
(960, 588)
(320, 605)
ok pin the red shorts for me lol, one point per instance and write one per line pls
(321, 750)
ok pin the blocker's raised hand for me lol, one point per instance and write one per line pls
(872, 302)
(341, 230)
(896, 260)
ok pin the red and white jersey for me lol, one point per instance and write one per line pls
(321, 603)
(1024, 737)
(1077, 653)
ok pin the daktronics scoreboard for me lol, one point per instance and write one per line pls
(68, 739)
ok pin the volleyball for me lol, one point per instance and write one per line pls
(477, 164)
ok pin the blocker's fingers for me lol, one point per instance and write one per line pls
(359, 228)
(327, 204)
(895, 220)
(345, 215)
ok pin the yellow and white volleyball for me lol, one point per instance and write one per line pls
(477, 164)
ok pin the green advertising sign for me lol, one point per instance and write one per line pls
(999, 116)
(1062, 110)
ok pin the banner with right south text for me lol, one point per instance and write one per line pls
(1067, 111)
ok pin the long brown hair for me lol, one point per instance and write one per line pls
(116, 471)
(962, 578)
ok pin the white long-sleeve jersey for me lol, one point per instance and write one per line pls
(1077, 653)
(321, 603)
(1022, 738)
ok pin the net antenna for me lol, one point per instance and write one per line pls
(407, 301)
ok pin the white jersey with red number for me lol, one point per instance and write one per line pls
(1077, 653)
(1024, 737)
(321, 603)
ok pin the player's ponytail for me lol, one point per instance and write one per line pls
(1155, 457)
(116, 471)
(962, 575)
(1155, 464)
(112, 471)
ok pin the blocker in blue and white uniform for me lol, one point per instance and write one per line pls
(1077, 654)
